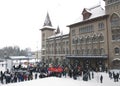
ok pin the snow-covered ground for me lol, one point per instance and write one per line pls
(54, 81)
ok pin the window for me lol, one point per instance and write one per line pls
(43, 52)
(83, 52)
(52, 44)
(101, 26)
(72, 51)
(76, 40)
(111, 1)
(59, 43)
(94, 39)
(88, 39)
(66, 42)
(59, 50)
(101, 38)
(73, 32)
(43, 46)
(116, 50)
(43, 36)
(67, 51)
(73, 41)
(63, 42)
(102, 51)
(115, 20)
(82, 40)
(95, 51)
(88, 51)
(80, 52)
(77, 52)
(86, 29)
(63, 50)
(113, 37)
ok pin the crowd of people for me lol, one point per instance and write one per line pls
(20, 74)
(115, 76)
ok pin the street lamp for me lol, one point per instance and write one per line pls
(55, 48)
(5, 57)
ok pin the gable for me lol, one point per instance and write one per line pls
(86, 14)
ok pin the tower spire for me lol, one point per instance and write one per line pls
(58, 30)
(47, 21)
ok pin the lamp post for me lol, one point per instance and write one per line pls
(5, 57)
(55, 49)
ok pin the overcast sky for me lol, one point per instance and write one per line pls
(20, 20)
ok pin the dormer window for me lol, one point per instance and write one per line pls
(86, 14)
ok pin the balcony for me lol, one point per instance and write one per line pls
(87, 56)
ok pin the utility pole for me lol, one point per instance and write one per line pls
(37, 53)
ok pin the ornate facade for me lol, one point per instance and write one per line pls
(93, 40)
(55, 45)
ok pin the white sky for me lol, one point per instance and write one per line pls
(20, 20)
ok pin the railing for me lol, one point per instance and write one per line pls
(86, 56)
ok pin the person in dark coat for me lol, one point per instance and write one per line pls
(92, 75)
(101, 79)
(110, 75)
(117, 77)
(36, 76)
(70, 73)
(2, 76)
(89, 75)
(15, 78)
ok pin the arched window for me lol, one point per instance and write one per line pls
(63, 51)
(73, 41)
(88, 51)
(67, 51)
(88, 39)
(80, 52)
(59, 50)
(115, 20)
(117, 50)
(115, 23)
(94, 39)
(102, 51)
(95, 51)
(82, 40)
(56, 60)
(101, 38)
(76, 40)
(50, 60)
(83, 52)
(79, 40)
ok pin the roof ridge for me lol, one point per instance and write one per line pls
(93, 7)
